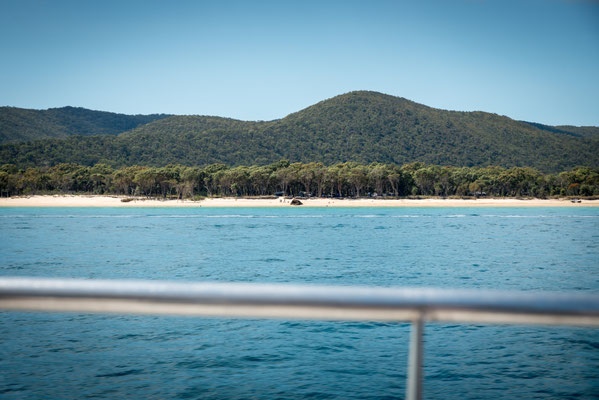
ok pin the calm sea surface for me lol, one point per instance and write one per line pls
(74, 356)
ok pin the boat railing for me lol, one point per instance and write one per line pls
(347, 303)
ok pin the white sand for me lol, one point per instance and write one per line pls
(115, 201)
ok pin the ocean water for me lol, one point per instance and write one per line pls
(75, 356)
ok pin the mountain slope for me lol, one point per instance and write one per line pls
(19, 124)
(581, 131)
(358, 126)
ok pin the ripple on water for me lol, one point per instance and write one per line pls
(121, 373)
(107, 356)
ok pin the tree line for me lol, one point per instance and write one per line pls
(347, 179)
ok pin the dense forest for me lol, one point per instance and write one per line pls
(297, 179)
(19, 124)
(362, 127)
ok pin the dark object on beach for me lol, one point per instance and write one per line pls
(296, 202)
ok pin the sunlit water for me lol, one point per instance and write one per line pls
(73, 356)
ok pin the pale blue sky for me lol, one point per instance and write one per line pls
(535, 60)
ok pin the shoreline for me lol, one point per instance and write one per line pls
(115, 201)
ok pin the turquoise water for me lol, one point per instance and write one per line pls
(73, 356)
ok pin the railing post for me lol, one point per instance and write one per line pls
(414, 379)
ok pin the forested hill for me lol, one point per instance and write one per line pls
(582, 131)
(359, 126)
(20, 124)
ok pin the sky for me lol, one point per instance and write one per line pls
(533, 60)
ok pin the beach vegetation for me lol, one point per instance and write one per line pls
(339, 180)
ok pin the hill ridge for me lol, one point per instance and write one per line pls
(22, 124)
(360, 126)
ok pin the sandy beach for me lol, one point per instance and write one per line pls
(116, 201)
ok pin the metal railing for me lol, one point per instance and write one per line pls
(416, 305)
